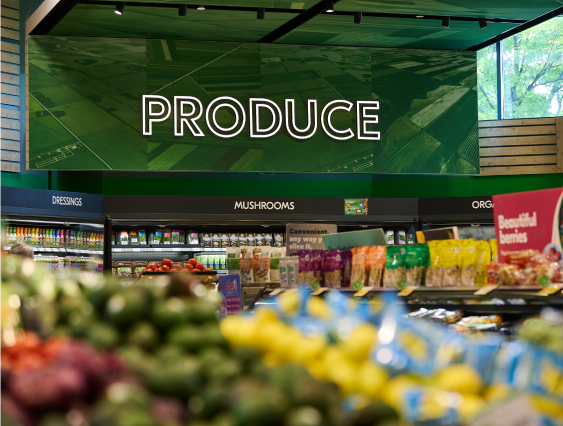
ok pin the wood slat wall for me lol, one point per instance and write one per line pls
(522, 146)
(10, 87)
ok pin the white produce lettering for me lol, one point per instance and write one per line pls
(265, 205)
(188, 110)
(67, 201)
(515, 236)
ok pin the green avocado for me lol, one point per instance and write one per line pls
(127, 306)
(263, 408)
(169, 313)
(99, 295)
(201, 311)
(188, 337)
(103, 336)
(181, 378)
(143, 335)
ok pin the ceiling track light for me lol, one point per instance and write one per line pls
(419, 16)
(201, 7)
(329, 6)
(358, 18)
(119, 8)
(261, 13)
(182, 9)
(482, 23)
(446, 22)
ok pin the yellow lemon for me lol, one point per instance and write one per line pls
(547, 405)
(471, 405)
(360, 341)
(345, 375)
(309, 349)
(460, 378)
(239, 331)
(265, 315)
(318, 308)
(371, 379)
(497, 392)
(289, 302)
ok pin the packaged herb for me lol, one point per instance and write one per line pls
(166, 236)
(193, 238)
(133, 238)
(451, 262)
(142, 236)
(395, 268)
(413, 261)
(305, 270)
(268, 240)
(434, 273)
(124, 238)
(359, 267)
(275, 255)
(246, 275)
(233, 240)
(482, 259)
(233, 260)
(259, 240)
(175, 236)
(376, 265)
(182, 237)
(206, 240)
(468, 260)
(216, 240)
(224, 240)
(250, 239)
(261, 264)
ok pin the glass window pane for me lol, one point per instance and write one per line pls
(487, 83)
(533, 71)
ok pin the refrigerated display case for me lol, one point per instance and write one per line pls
(65, 230)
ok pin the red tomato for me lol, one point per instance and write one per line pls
(192, 261)
(189, 267)
(200, 266)
(165, 268)
(153, 265)
(177, 268)
(149, 268)
(158, 270)
(207, 269)
(166, 262)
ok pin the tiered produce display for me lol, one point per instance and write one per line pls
(162, 357)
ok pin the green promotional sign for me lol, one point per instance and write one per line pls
(355, 206)
(130, 104)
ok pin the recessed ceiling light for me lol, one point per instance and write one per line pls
(119, 8)
(329, 6)
(201, 7)
(420, 16)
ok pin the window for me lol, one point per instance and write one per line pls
(487, 83)
(532, 77)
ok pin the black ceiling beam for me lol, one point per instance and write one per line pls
(513, 31)
(302, 12)
(294, 23)
(55, 15)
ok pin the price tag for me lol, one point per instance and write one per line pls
(486, 290)
(407, 291)
(547, 291)
(362, 292)
(276, 291)
(318, 291)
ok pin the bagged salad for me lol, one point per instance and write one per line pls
(261, 264)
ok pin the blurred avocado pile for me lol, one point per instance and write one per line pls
(141, 355)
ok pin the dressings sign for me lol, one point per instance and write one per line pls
(529, 220)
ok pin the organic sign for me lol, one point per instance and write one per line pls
(529, 220)
(306, 236)
(124, 104)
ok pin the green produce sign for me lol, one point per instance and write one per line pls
(130, 104)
